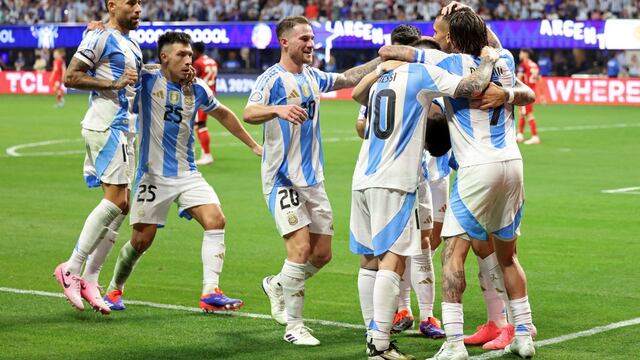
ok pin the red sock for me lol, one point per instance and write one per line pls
(533, 126)
(521, 125)
(59, 97)
(203, 135)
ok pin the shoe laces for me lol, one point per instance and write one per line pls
(504, 334)
(393, 346)
(303, 330)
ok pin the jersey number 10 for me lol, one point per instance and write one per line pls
(390, 111)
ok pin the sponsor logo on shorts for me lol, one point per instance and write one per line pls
(292, 218)
(426, 281)
(141, 212)
(428, 220)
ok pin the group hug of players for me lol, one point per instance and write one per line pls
(421, 97)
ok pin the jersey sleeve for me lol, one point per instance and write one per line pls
(92, 47)
(261, 91)
(437, 81)
(362, 114)
(325, 80)
(204, 96)
(429, 56)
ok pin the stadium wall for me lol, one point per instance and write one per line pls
(557, 90)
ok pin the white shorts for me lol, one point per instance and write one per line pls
(439, 198)
(486, 199)
(153, 195)
(296, 207)
(425, 206)
(384, 220)
(110, 157)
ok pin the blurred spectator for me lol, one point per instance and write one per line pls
(613, 67)
(634, 66)
(20, 62)
(40, 64)
(232, 62)
(312, 10)
(544, 64)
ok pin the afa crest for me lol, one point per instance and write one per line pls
(174, 97)
(292, 218)
(305, 90)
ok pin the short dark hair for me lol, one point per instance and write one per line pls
(426, 43)
(172, 37)
(528, 51)
(405, 34)
(198, 47)
(289, 23)
(467, 31)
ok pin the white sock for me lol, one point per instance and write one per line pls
(423, 282)
(385, 300)
(292, 281)
(212, 259)
(366, 282)
(94, 228)
(97, 258)
(497, 279)
(521, 315)
(310, 270)
(404, 300)
(453, 321)
(495, 304)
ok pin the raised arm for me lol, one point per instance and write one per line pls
(352, 77)
(398, 52)
(76, 77)
(230, 121)
(474, 84)
(257, 114)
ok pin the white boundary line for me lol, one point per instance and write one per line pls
(488, 355)
(187, 308)
(628, 190)
(563, 338)
(13, 150)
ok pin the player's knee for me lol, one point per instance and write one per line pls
(215, 221)
(123, 204)
(323, 259)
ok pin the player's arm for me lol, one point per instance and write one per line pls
(76, 77)
(360, 125)
(258, 114)
(361, 92)
(353, 76)
(398, 52)
(474, 84)
(494, 96)
(230, 121)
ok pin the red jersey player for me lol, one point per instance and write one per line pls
(57, 75)
(528, 73)
(207, 70)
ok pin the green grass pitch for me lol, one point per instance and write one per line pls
(579, 246)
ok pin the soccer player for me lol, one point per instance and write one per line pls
(107, 63)
(490, 172)
(207, 70)
(57, 74)
(384, 210)
(529, 74)
(167, 173)
(286, 99)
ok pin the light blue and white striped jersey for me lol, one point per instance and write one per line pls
(166, 117)
(435, 168)
(478, 136)
(292, 154)
(109, 52)
(391, 154)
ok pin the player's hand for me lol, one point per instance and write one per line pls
(95, 25)
(453, 6)
(494, 96)
(257, 149)
(389, 65)
(292, 113)
(191, 76)
(490, 53)
(129, 77)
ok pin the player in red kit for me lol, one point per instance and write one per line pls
(57, 75)
(207, 70)
(529, 74)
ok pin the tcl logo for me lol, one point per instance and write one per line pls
(24, 82)
(593, 91)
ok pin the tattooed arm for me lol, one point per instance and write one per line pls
(352, 77)
(76, 77)
(474, 84)
(397, 52)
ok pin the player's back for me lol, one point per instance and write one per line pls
(166, 117)
(206, 69)
(478, 136)
(391, 154)
(108, 53)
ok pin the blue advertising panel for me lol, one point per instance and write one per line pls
(340, 34)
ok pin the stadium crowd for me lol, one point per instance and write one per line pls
(38, 11)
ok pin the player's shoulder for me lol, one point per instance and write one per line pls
(269, 76)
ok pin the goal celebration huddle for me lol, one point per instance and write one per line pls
(431, 108)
